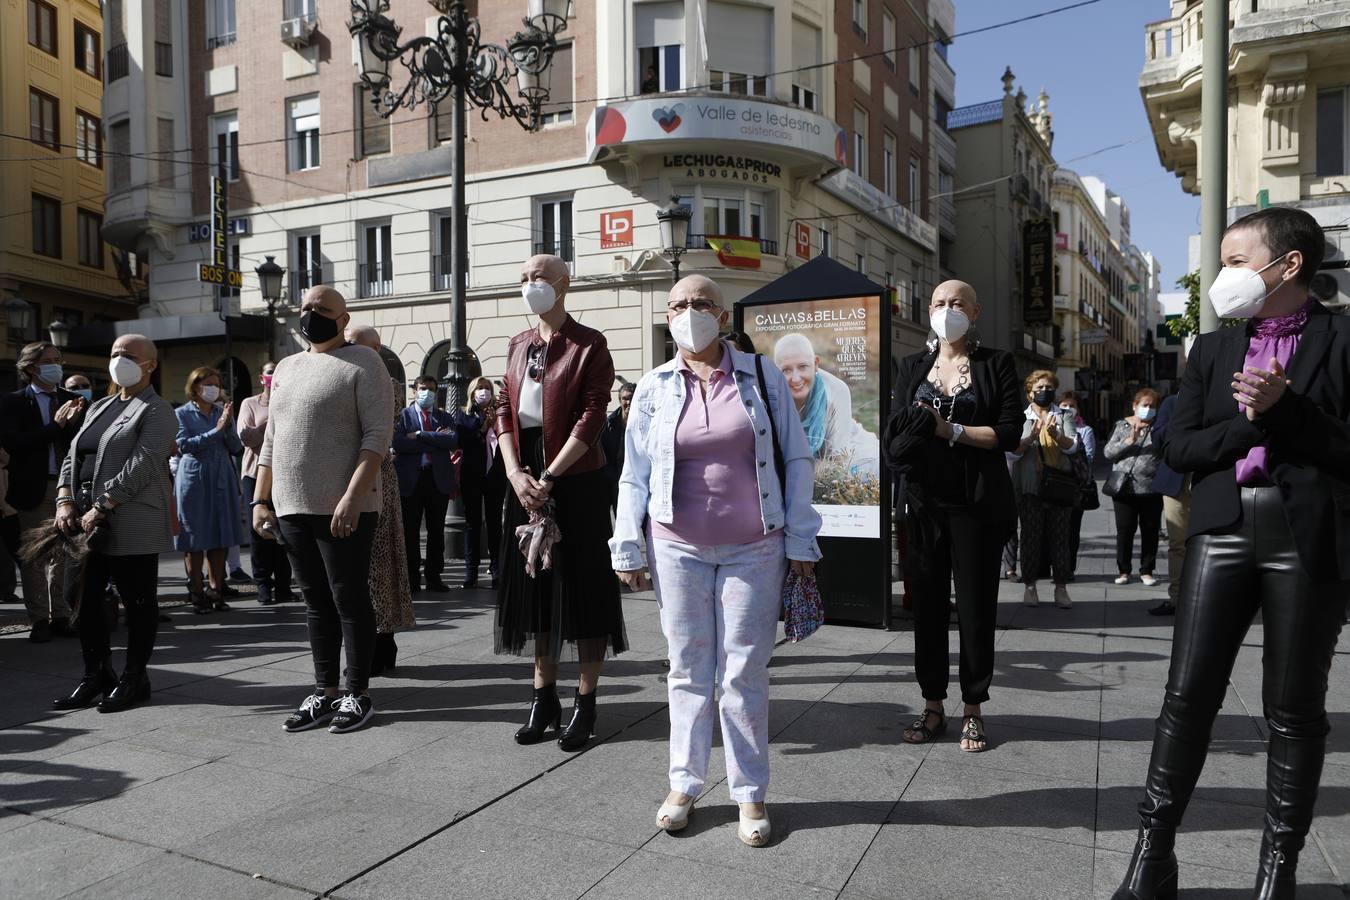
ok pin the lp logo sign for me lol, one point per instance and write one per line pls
(616, 229)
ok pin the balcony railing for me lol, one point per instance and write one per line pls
(118, 62)
(163, 59)
(304, 279)
(700, 242)
(562, 248)
(220, 40)
(376, 279)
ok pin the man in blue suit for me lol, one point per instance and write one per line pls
(424, 438)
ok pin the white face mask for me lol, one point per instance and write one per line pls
(1239, 292)
(950, 324)
(693, 331)
(210, 393)
(481, 397)
(124, 372)
(539, 296)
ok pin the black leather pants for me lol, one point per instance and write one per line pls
(1227, 578)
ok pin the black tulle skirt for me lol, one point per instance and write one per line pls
(577, 600)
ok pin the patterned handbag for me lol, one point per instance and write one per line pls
(803, 611)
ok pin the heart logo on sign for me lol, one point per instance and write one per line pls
(669, 119)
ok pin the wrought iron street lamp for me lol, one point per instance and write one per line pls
(455, 66)
(19, 317)
(270, 276)
(674, 224)
(59, 334)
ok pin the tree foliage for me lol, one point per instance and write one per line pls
(1189, 322)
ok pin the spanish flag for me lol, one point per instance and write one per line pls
(736, 253)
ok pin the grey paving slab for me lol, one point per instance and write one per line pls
(45, 859)
(85, 776)
(642, 874)
(168, 876)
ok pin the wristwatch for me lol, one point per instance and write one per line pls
(547, 477)
(957, 431)
(101, 504)
(266, 503)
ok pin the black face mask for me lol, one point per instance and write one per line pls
(318, 328)
(1044, 398)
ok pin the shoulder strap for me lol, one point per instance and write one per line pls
(778, 462)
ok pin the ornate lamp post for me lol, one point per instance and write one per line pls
(19, 317)
(269, 281)
(59, 334)
(455, 67)
(674, 224)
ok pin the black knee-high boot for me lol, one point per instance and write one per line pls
(1293, 772)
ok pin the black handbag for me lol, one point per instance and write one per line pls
(1058, 486)
(1117, 483)
(1087, 485)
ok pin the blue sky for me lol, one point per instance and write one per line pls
(1088, 60)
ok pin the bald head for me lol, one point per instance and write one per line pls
(548, 268)
(950, 290)
(696, 287)
(365, 335)
(324, 298)
(137, 346)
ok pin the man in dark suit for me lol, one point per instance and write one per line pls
(424, 438)
(611, 440)
(37, 424)
(1262, 424)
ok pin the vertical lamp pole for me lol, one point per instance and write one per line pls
(1213, 152)
(269, 283)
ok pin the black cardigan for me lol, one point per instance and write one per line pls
(1308, 432)
(999, 405)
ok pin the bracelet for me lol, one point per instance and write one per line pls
(266, 503)
(60, 500)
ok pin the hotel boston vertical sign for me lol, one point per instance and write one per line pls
(1038, 243)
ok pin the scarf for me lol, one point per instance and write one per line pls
(814, 415)
(1269, 338)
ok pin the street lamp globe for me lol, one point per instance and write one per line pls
(19, 316)
(59, 333)
(269, 279)
(549, 16)
(674, 224)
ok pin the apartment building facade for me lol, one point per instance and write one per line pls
(54, 265)
(700, 100)
(1289, 111)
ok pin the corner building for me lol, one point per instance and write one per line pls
(649, 100)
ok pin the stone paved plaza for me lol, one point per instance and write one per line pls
(201, 795)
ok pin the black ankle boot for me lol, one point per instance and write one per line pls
(1275, 879)
(91, 686)
(132, 689)
(1153, 867)
(581, 729)
(386, 654)
(545, 712)
(1293, 772)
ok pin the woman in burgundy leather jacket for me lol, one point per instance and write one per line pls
(549, 422)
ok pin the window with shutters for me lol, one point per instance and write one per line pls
(826, 240)
(740, 48)
(163, 38)
(860, 254)
(377, 259)
(659, 30)
(46, 226)
(44, 115)
(1333, 132)
(560, 78)
(219, 23)
(88, 57)
(42, 26)
(372, 131)
(302, 127)
(915, 190)
(166, 167)
(805, 54)
(306, 263)
(119, 141)
(90, 225)
(88, 139)
(888, 39)
(225, 144)
(888, 162)
(554, 228)
(914, 64)
(860, 141)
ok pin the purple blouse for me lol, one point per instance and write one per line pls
(715, 493)
(1270, 339)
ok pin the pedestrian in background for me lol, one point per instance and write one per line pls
(1134, 454)
(1087, 453)
(80, 385)
(723, 531)
(1175, 489)
(206, 490)
(390, 592)
(37, 423)
(271, 565)
(475, 428)
(9, 526)
(1048, 437)
(960, 504)
(424, 437)
(549, 420)
(319, 474)
(612, 440)
(115, 476)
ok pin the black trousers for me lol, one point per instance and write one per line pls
(1144, 512)
(483, 495)
(1226, 580)
(963, 544)
(137, 581)
(334, 578)
(1045, 539)
(425, 502)
(271, 565)
(1075, 537)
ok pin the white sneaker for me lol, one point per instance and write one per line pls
(1148, 580)
(1123, 579)
(1062, 597)
(1030, 597)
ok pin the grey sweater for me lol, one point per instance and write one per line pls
(1139, 460)
(326, 408)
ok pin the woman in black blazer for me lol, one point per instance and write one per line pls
(1263, 425)
(958, 409)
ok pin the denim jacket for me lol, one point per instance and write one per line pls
(645, 487)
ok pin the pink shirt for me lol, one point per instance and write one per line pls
(715, 492)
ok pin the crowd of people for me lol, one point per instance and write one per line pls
(701, 481)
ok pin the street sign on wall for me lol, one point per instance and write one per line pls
(1038, 306)
(218, 271)
(616, 229)
(803, 240)
(1091, 336)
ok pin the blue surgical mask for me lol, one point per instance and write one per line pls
(1144, 413)
(86, 393)
(426, 399)
(51, 373)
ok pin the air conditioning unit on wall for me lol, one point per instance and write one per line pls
(297, 32)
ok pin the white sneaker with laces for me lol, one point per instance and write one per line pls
(1030, 597)
(1123, 579)
(353, 712)
(1148, 580)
